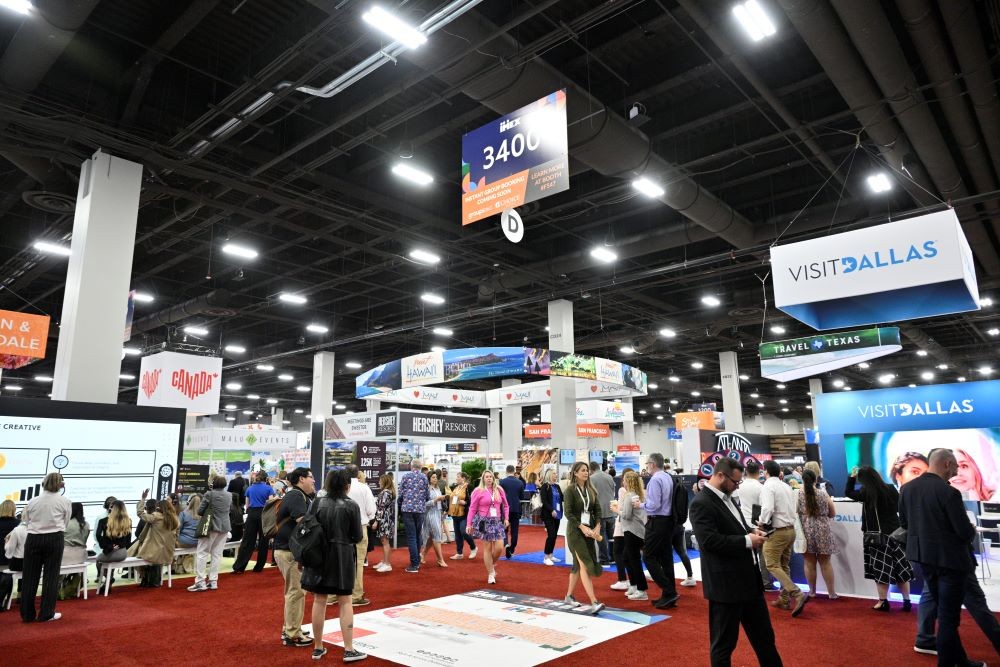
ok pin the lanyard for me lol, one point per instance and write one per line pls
(584, 499)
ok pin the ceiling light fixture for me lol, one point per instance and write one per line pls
(985, 302)
(430, 297)
(125, 376)
(716, 386)
(239, 251)
(437, 348)
(602, 254)
(441, 331)
(985, 370)
(316, 328)
(993, 332)
(711, 301)
(778, 330)
(424, 256)
(233, 386)
(760, 405)
(696, 393)
(927, 375)
(783, 401)
(272, 401)
(886, 379)
(780, 386)
(292, 298)
(352, 364)
(838, 383)
(921, 353)
(235, 349)
(697, 365)
(626, 349)
(142, 297)
(265, 367)
(961, 378)
(755, 395)
(653, 385)
(942, 367)
(879, 183)
(668, 333)
(340, 406)
(248, 412)
(52, 248)
(754, 20)
(303, 388)
(253, 397)
(864, 364)
(299, 411)
(674, 378)
(649, 188)
(673, 401)
(196, 331)
(412, 174)
(394, 27)
(43, 378)
(231, 406)
(744, 377)
(285, 377)
(19, 6)
(132, 351)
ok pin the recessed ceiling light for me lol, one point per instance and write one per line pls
(265, 367)
(710, 300)
(132, 351)
(921, 353)
(352, 364)
(697, 365)
(272, 401)
(299, 411)
(780, 386)
(668, 333)
(879, 183)
(239, 251)
(696, 393)
(231, 406)
(626, 349)
(864, 364)
(303, 388)
(412, 174)
(649, 188)
(292, 298)
(441, 331)
(424, 256)
(838, 383)
(397, 29)
(927, 375)
(125, 376)
(233, 386)
(602, 254)
(886, 378)
(657, 406)
(674, 378)
(754, 20)
(437, 348)
(285, 377)
(429, 297)
(755, 395)
(52, 248)
(236, 349)
(316, 328)
(760, 405)
(196, 331)
(961, 378)
(985, 370)
(43, 378)
(142, 297)
(253, 397)
(778, 330)
(993, 332)
(673, 401)
(744, 377)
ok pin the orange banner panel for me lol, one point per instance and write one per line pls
(541, 431)
(22, 334)
(702, 420)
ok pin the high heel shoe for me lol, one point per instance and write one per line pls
(883, 605)
(907, 605)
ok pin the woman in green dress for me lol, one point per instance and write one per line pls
(583, 527)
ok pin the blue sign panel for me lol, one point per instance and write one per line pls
(674, 434)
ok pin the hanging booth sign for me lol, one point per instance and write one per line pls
(544, 431)
(462, 447)
(174, 380)
(700, 420)
(785, 360)
(23, 335)
(597, 412)
(431, 425)
(903, 270)
(516, 159)
(349, 427)
(425, 368)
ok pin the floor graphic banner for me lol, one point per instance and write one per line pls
(447, 631)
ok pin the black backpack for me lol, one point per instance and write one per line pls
(679, 503)
(308, 542)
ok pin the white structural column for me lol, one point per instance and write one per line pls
(628, 427)
(561, 339)
(815, 389)
(372, 405)
(277, 417)
(511, 425)
(732, 405)
(322, 389)
(493, 435)
(98, 279)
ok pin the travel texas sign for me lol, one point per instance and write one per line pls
(785, 360)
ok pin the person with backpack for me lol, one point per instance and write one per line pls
(659, 530)
(324, 543)
(291, 510)
(680, 507)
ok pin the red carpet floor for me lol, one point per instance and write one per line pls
(240, 623)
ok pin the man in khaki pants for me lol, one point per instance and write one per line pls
(363, 496)
(294, 506)
(777, 511)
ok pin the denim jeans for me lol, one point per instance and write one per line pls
(461, 536)
(945, 589)
(412, 523)
(605, 547)
(974, 601)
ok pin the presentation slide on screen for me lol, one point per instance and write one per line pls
(97, 458)
(901, 455)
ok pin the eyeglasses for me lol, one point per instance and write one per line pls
(736, 482)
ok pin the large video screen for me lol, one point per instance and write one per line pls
(101, 450)
(901, 455)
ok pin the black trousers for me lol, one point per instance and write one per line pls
(659, 553)
(619, 553)
(253, 531)
(41, 553)
(515, 525)
(724, 621)
(633, 561)
(681, 549)
(551, 532)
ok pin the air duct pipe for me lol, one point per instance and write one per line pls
(212, 301)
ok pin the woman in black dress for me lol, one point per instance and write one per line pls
(341, 520)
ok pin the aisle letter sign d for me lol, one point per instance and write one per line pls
(510, 223)
(23, 335)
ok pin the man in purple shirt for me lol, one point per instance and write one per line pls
(413, 496)
(660, 530)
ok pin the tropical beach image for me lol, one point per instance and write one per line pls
(483, 362)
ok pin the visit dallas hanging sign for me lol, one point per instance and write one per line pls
(785, 360)
(920, 267)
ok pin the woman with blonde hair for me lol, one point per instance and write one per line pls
(488, 521)
(158, 540)
(583, 531)
(384, 523)
(43, 548)
(634, 526)
(8, 522)
(114, 537)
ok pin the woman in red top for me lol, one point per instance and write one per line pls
(488, 512)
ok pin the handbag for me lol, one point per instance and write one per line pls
(204, 526)
(875, 538)
(536, 501)
(899, 535)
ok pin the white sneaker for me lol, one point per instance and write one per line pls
(638, 595)
(570, 600)
(198, 587)
(631, 591)
(619, 586)
(548, 561)
(556, 559)
(55, 617)
(384, 567)
(473, 554)
(457, 557)
(492, 579)
(689, 581)
(213, 585)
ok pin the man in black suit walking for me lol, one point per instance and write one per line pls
(731, 576)
(939, 542)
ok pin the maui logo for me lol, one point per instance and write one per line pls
(150, 379)
(867, 261)
(924, 409)
(192, 385)
(519, 396)
(509, 124)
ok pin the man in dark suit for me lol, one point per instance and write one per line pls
(939, 543)
(731, 576)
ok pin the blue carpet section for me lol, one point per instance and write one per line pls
(560, 553)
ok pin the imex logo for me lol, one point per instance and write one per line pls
(149, 381)
(192, 385)
(509, 124)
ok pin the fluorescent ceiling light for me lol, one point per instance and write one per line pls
(886, 379)
(239, 251)
(429, 297)
(437, 348)
(233, 386)
(230, 419)
(125, 376)
(272, 401)
(19, 6)
(602, 254)
(985, 301)
(985, 370)
(696, 393)
(352, 364)
(316, 328)
(864, 364)
(265, 367)
(143, 297)
(132, 351)
(780, 386)
(716, 386)
(847, 389)
(196, 331)
(784, 409)
(653, 385)
(778, 330)
(673, 401)
(441, 331)
(285, 377)
(697, 365)
(52, 248)
(648, 188)
(412, 174)
(942, 367)
(711, 301)
(744, 377)
(340, 406)
(657, 406)
(231, 406)
(303, 388)
(783, 401)
(755, 395)
(299, 411)
(642, 412)
(253, 397)
(961, 378)
(626, 349)
(921, 353)
(668, 333)
(236, 349)
(927, 375)
(753, 19)
(760, 405)
(248, 412)
(43, 378)
(292, 298)
(424, 257)
(993, 332)
(394, 27)
(838, 383)
(674, 378)
(659, 417)
(879, 183)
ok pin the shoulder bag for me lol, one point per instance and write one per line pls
(204, 526)
(875, 538)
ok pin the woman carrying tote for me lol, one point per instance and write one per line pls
(213, 527)
(583, 529)
(488, 521)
